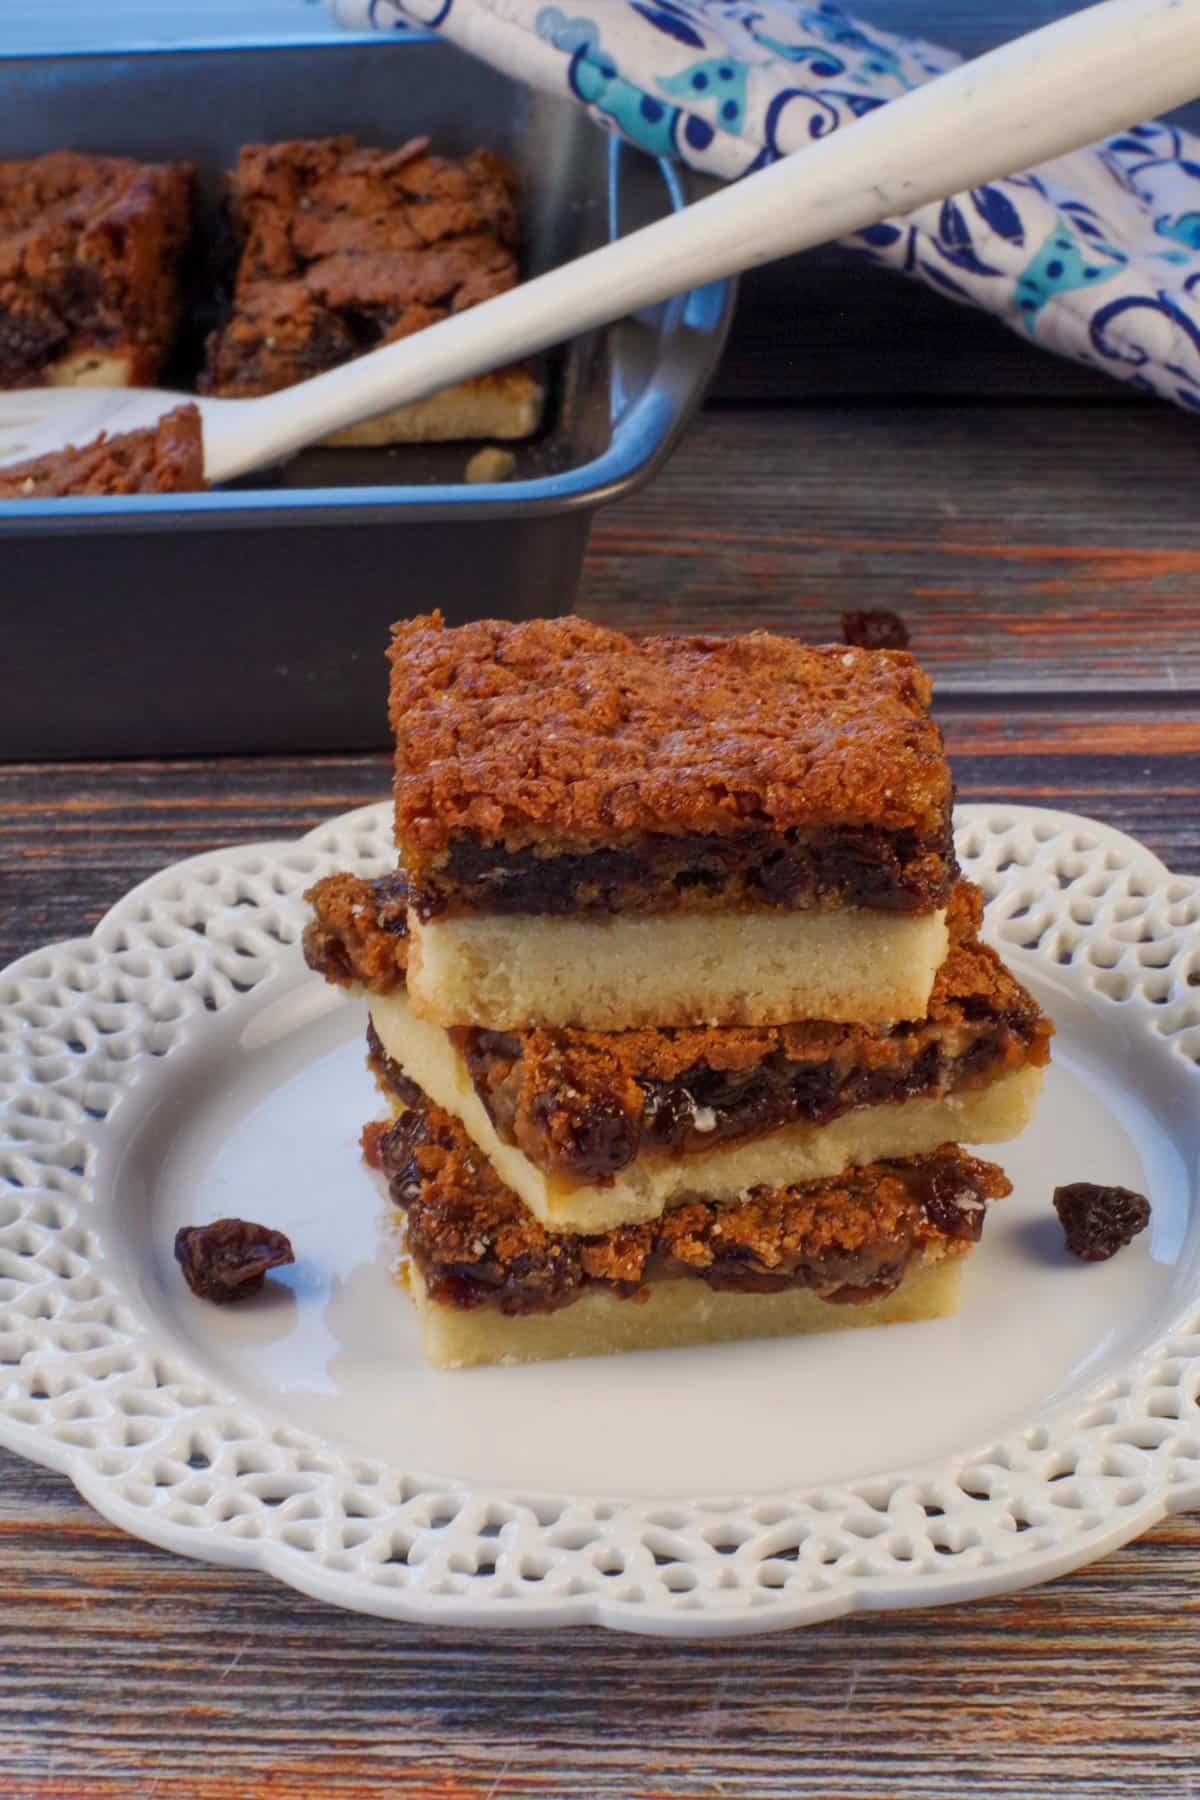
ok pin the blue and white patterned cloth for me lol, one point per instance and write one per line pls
(1095, 256)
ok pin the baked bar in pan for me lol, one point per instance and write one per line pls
(166, 458)
(90, 251)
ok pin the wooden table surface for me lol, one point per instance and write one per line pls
(865, 444)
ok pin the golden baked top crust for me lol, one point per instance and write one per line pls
(561, 734)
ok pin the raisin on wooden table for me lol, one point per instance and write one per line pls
(875, 630)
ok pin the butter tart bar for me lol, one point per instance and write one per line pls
(166, 458)
(876, 1245)
(593, 1130)
(609, 834)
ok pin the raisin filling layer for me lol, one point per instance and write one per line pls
(591, 1136)
(793, 869)
(850, 1239)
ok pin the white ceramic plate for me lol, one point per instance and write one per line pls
(182, 1064)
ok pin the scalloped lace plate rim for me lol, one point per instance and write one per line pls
(189, 1445)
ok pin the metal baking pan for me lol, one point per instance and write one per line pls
(255, 617)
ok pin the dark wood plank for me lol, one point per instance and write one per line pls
(1032, 550)
(127, 1674)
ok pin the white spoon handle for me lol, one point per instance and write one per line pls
(1035, 98)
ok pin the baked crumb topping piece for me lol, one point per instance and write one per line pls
(556, 766)
(89, 263)
(166, 458)
(358, 932)
(850, 1238)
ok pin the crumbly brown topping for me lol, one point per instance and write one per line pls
(560, 734)
(89, 253)
(474, 1240)
(359, 930)
(345, 248)
(167, 458)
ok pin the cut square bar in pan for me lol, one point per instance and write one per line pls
(345, 248)
(609, 834)
(90, 248)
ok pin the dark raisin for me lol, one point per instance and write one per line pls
(364, 327)
(326, 956)
(593, 1135)
(1098, 1221)
(878, 630)
(952, 1206)
(27, 340)
(229, 1258)
(391, 903)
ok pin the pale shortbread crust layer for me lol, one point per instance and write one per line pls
(93, 368)
(508, 406)
(674, 1314)
(508, 971)
(652, 1183)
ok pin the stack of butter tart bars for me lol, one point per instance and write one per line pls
(677, 996)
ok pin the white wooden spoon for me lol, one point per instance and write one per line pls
(1035, 98)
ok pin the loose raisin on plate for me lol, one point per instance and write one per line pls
(1098, 1221)
(229, 1258)
(877, 630)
